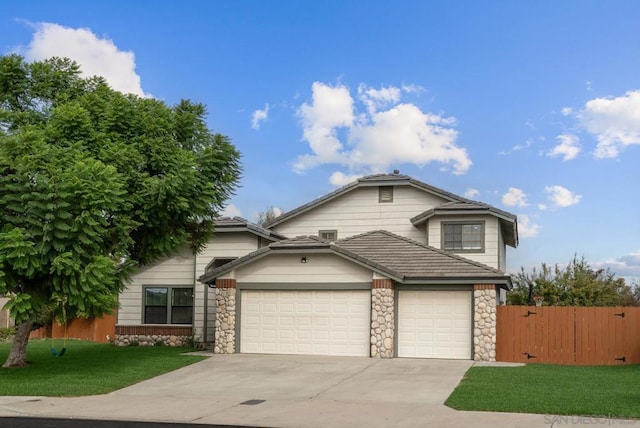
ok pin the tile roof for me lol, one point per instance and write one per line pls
(412, 259)
(235, 224)
(400, 258)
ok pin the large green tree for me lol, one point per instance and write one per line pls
(577, 284)
(92, 183)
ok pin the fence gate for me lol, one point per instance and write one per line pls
(568, 335)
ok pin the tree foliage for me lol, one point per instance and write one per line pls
(267, 215)
(93, 182)
(577, 284)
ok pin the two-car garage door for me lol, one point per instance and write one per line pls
(430, 324)
(328, 322)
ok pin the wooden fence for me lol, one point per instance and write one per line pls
(568, 335)
(95, 329)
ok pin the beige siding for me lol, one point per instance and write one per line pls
(5, 321)
(502, 251)
(223, 245)
(176, 270)
(492, 238)
(286, 268)
(179, 270)
(359, 211)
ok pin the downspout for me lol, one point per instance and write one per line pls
(206, 314)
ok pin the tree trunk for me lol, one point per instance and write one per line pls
(18, 354)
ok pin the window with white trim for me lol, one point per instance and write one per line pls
(463, 237)
(329, 235)
(168, 305)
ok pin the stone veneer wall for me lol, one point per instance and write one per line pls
(152, 340)
(153, 335)
(484, 322)
(225, 328)
(382, 318)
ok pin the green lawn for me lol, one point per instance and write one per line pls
(608, 391)
(87, 368)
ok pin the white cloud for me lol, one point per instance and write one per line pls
(626, 266)
(568, 147)
(259, 116)
(412, 88)
(561, 196)
(515, 198)
(375, 99)
(542, 207)
(230, 210)
(471, 193)
(340, 179)
(518, 147)
(526, 228)
(95, 55)
(387, 133)
(566, 111)
(615, 122)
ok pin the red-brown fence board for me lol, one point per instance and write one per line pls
(100, 329)
(568, 335)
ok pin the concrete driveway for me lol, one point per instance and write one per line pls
(285, 391)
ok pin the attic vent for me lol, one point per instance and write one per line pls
(385, 194)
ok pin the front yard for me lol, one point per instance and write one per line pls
(87, 368)
(606, 391)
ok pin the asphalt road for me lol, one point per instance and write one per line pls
(86, 423)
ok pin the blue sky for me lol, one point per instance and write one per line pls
(531, 106)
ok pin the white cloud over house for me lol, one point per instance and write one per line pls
(341, 179)
(515, 198)
(231, 210)
(471, 193)
(375, 130)
(568, 147)
(561, 196)
(259, 116)
(97, 56)
(527, 228)
(615, 122)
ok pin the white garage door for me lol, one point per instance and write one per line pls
(305, 322)
(434, 324)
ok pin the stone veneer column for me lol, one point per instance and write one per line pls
(484, 322)
(225, 330)
(382, 319)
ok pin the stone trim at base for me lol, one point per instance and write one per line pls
(484, 322)
(382, 319)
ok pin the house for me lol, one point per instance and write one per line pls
(387, 266)
(5, 319)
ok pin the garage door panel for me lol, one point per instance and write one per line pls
(434, 324)
(306, 322)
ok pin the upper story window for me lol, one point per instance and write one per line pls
(463, 236)
(329, 235)
(385, 194)
(168, 305)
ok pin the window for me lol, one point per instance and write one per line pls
(463, 237)
(168, 305)
(329, 235)
(385, 194)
